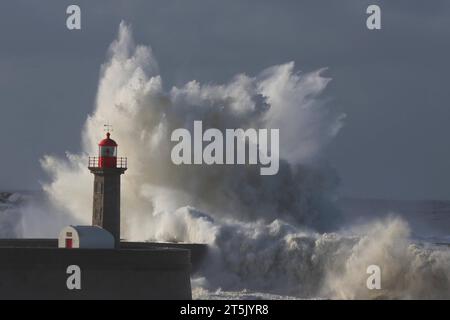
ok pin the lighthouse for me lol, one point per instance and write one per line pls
(107, 169)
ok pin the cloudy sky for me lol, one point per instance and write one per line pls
(392, 83)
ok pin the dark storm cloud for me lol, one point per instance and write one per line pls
(391, 83)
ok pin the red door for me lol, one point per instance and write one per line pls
(68, 243)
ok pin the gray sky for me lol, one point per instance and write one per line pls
(392, 83)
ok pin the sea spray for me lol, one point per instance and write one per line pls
(131, 97)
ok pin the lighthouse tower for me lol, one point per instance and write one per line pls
(107, 169)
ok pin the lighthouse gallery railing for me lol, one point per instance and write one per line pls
(121, 162)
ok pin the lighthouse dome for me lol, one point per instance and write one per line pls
(108, 142)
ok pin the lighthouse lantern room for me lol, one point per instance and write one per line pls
(107, 153)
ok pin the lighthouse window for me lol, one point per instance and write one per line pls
(108, 151)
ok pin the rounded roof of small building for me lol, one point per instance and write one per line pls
(87, 237)
(108, 142)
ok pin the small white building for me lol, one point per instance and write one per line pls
(85, 237)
